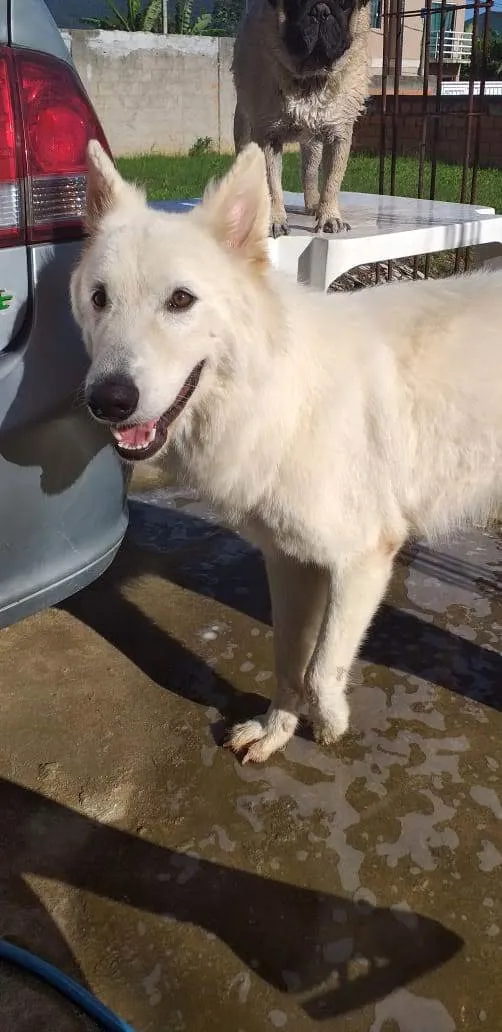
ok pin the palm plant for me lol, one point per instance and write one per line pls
(183, 24)
(226, 16)
(136, 17)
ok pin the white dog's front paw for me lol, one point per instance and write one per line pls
(242, 735)
(252, 741)
(331, 724)
(258, 739)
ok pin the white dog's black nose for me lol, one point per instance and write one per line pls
(114, 399)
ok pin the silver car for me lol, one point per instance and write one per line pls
(62, 487)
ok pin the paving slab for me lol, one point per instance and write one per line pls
(353, 889)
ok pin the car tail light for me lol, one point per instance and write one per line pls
(56, 121)
(10, 185)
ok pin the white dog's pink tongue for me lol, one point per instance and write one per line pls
(139, 436)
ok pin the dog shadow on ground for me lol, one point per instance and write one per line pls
(281, 928)
(206, 558)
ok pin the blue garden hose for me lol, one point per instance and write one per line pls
(66, 986)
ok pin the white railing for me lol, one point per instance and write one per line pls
(457, 46)
(461, 89)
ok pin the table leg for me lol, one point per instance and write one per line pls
(323, 261)
(312, 264)
(488, 256)
(326, 259)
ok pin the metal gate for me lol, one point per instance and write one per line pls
(440, 45)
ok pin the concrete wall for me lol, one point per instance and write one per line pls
(157, 93)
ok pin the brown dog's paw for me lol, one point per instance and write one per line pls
(330, 224)
(312, 205)
(278, 229)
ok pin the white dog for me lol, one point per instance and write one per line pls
(328, 429)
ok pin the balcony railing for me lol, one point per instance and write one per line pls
(457, 47)
(461, 89)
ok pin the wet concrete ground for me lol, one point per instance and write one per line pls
(356, 889)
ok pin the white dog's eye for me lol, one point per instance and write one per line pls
(180, 300)
(99, 298)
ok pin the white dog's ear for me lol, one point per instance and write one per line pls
(237, 209)
(105, 186)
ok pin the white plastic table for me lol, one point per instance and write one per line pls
(382, 228)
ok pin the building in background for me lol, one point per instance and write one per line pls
(457, 41)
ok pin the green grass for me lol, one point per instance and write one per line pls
(185, 176)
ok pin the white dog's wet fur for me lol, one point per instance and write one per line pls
(327, 429)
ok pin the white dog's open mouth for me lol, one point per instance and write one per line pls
(136, 441)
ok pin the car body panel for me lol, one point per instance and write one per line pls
(63, 509)
(14, 295)
(32, 26)
(4, 25)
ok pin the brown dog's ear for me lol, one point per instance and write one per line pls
(237, 209)
(105, 186)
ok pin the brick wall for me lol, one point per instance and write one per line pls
(452, 128)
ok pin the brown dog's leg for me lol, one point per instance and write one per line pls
(272, 150)
(311, 154)
(242, 130)
(335, 156)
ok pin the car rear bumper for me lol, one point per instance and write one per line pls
(51, 594)
(63, 511)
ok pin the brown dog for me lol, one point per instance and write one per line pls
(301, 72)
